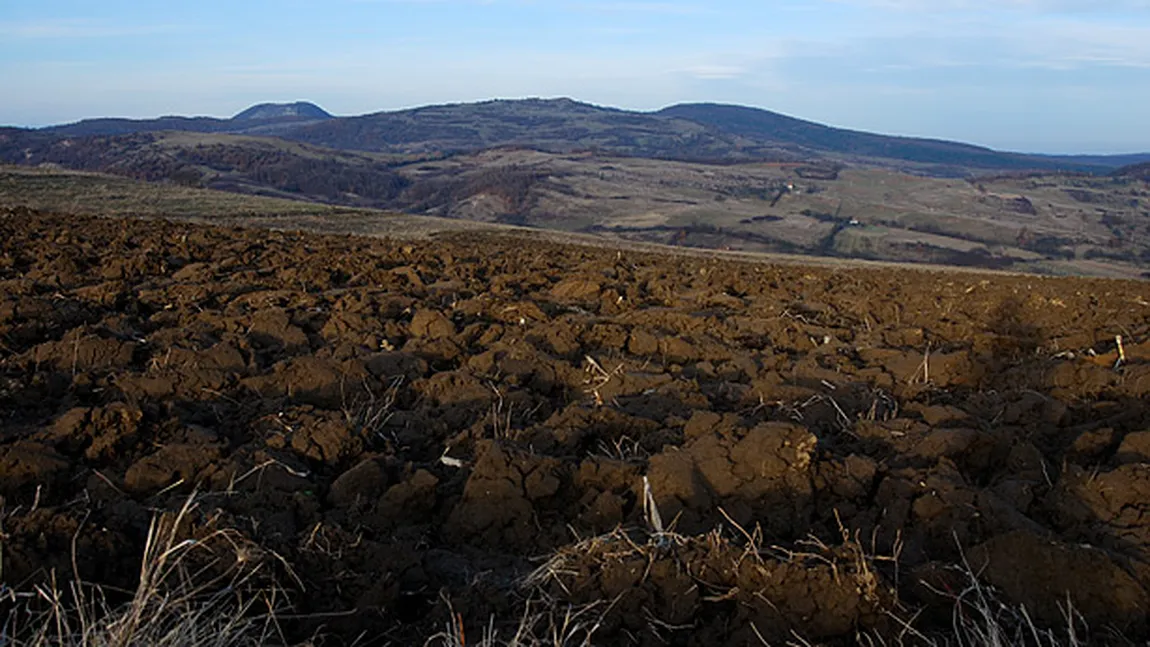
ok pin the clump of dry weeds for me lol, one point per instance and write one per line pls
(981, 617)
(181, 599)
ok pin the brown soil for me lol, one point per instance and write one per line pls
(394, 424)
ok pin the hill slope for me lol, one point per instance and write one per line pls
(1134, 171)
(244, 164)
(766, 127)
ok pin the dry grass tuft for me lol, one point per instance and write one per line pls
(543, 623)
(193, 594)
(178, 602)
(983, 619)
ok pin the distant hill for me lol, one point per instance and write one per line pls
(554, 125)
(711, 133)
(769, 127)
(1136, 171)
(118, 126)
(1112, 161)
(691, 132)
(238, 163)
(269, 111)
(264, 118)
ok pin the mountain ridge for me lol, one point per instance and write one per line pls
(705, 132)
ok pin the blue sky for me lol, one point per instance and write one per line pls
(1034, 75)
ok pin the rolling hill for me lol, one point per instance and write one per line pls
(263, 118)
(1139, 171)
(764, 126)
(238, 163)
(709, 133)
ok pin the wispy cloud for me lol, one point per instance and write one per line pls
(671, 8)
(54, 29)
(714, 72)
(1076, 6)
(428, 2)
(908, 37)
(590, 6)
(1086, 43)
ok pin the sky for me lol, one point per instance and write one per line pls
(1052, 76)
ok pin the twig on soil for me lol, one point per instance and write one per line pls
(923, 368)
(754, 541)
(4, 537)
(651, 509)
(759, 635)
(369, 417)
(178, 482)
(319, 542)
(656, 623)
(450, 461)
(623, 449)
(108, 482)
(762, 404)
(234, 481)
(220, 395)
(889, 407)
(787, 314)
(843, 418)
(36, 498)
(600, 378)
(500, 423)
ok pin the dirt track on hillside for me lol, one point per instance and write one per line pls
(393, 425)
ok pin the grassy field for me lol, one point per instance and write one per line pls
(1052, 223)
(100, 194)
(1076, 225)
(108, 195)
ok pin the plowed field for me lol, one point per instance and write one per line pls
(687, 451)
